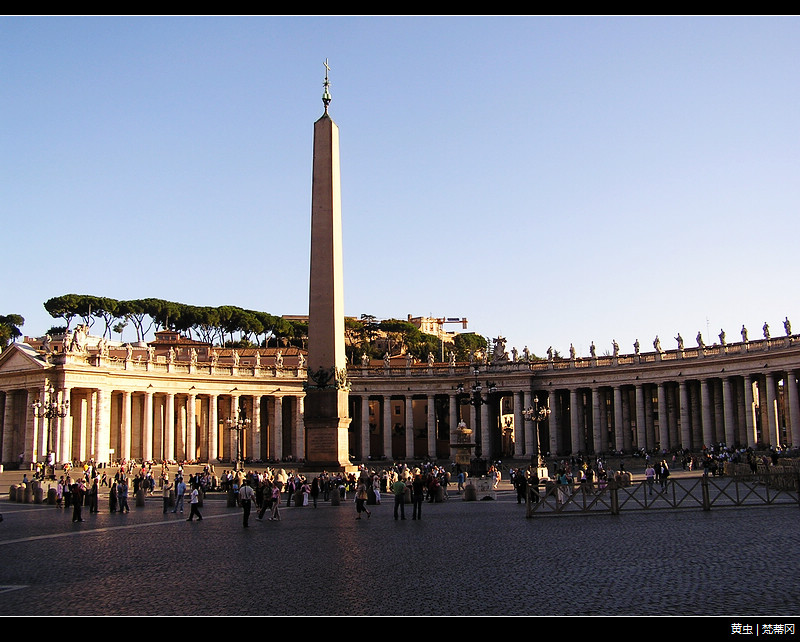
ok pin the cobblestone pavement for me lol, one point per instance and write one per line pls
(462, 558)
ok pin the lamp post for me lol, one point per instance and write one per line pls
(50, 409)
(537, 415)
(475, 397)
(239, 423)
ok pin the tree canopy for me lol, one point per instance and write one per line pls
(216, 325)
(10, 328)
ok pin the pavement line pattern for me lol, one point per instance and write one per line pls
(5, 588)
(104, 530)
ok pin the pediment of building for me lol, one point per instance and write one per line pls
(20, 357)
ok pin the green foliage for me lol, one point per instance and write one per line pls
(468, 343)
(215, 325)
(10, 328)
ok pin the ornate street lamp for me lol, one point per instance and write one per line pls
(475, 397)
(50, 409)
(239, 423)
(537, 415)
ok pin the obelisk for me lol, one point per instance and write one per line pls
(326, 412)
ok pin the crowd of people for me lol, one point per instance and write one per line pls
(268, 489)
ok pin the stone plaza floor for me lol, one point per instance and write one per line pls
(461, 558)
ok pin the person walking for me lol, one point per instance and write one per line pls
(361, 501)
(180, 491)
(650, 476)
(246, 496)
(276, 501)
(122, 496)
(165, 490)
(194, 504)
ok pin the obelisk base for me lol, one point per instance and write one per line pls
(327, 423)
(326, 445)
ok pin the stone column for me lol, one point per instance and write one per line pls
(235, 445)
(473, 422)
(213, 429)
(365, 433)
(102, 426)
(169, 426)
(750, 411)
(727, 412)
(574, 422)
(41, 428)
(277, 428)
(180, 428)
(147, 426)
(686, 434)
(628, 419)
(409, 427)
(191, 427)
(705, 406)
(431, 427)
(596, 431)
(555, 422)
(387, 426)
(529, 427)
(29, 445)
(663, 417)
(8, 425)
(794, 407)
(299, 427)
(62, 440)
(125, 424)
(619, 421)
(453, 407)
(773, 417)
(486, 433)
(641, 435)
(649, 417)
(86, 414)
(519, 426)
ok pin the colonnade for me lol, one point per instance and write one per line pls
(745, 410)
(109, 425)
(651, 401)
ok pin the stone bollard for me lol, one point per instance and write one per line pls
(38, 493)
(231, 499)
(51, 496)
(140, 495)
(12, 493)
(335, 497)
(297, 497)
(470, 493)
(438, 496)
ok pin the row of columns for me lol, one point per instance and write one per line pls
(364, 448)
(736, 410)
(101, 421)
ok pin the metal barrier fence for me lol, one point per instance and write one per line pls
(702, 493)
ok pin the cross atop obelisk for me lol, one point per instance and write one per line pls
(326, 404)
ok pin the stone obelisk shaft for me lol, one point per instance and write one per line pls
(326, 404)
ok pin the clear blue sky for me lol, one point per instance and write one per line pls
(554, 180)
